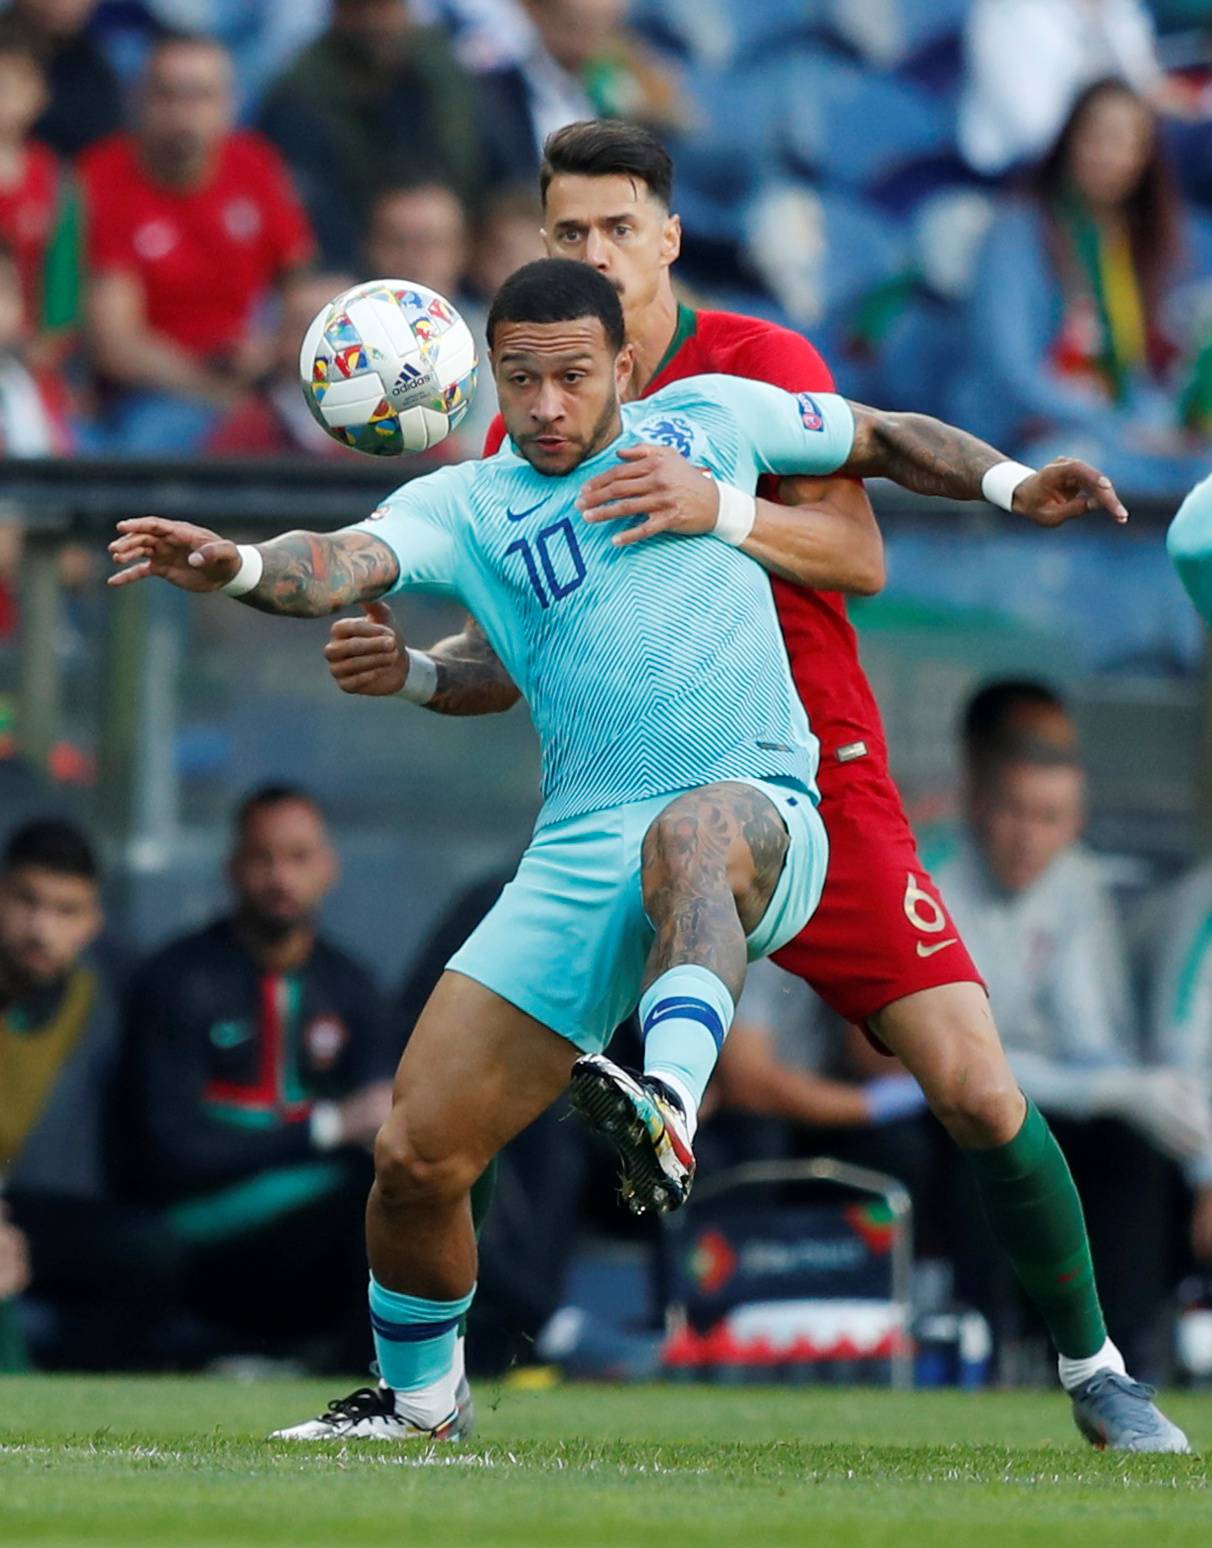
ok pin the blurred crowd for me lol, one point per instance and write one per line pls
(184, 1139)
(993, 209)
(998, 210)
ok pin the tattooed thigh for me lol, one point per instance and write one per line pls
(711, 863)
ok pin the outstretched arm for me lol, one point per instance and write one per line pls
(303, 574)
(934, 458)
(370, 656)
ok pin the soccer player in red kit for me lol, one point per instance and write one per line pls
(882, 949)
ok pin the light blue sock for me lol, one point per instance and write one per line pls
(685, 1016)
(415, 1339)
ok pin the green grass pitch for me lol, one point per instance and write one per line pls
(167, 1462)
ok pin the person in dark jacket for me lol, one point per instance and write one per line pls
(258, 1068)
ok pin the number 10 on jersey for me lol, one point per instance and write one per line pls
(553, 561)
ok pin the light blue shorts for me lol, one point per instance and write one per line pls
(568, 939)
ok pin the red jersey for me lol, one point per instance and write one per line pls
(204, 256)
(821, 642)
(28, 211)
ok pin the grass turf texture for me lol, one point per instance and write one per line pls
(167, 1462)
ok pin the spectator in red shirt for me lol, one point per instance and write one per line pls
(191, 223)
(273, 419)
(38, 210)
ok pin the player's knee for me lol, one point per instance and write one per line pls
(409, 1174)
(979, 1102)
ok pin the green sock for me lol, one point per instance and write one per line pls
(1036, 1215)
(13, 1356)
(482, 1192)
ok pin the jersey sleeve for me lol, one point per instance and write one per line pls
(1189, 544)
(420, 524)
(787, 432)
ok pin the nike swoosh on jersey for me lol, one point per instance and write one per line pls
(928, 951)
(522, 515)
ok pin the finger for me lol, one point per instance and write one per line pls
(1098, 486)
(638, 534)
(365, 682)
(157, 526)
(617, 486)
(216, 552)
(136, 572)
(637, 451)
(620, 510)
(359, 628)
(361, 649)
(380, 613)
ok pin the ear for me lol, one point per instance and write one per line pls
(624, 365)
(671, 240)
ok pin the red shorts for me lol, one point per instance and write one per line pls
(882, 930)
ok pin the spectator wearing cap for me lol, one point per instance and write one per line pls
(191, 224)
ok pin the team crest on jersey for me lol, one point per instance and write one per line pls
(810, 412)
(670, 430)
(324, 1038)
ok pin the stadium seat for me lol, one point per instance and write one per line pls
(816, 252)
(856, 129)
(888, 34)
(719, 34)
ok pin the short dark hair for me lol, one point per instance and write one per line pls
(991, 709)
(52, 845)
(266, 797)
(608, 147)
(558, 290)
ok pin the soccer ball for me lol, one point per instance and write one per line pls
(388, 368)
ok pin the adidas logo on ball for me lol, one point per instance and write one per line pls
(413, 385)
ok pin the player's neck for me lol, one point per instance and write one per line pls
(651, 331)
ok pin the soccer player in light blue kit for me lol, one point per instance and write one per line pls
(679, 836)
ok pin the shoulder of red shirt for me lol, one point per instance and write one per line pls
(244, 152)
(736, 345)
(763, 351)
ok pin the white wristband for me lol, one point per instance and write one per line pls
(246, 577)
(1002, 479)
(737, 514)
(422, 681)
(327, 1130)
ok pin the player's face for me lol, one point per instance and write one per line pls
(559, 386)
(615, 224)
(283, 866)
(1026, 818)
(188, 104)
(46, 921)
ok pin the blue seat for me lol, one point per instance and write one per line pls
(818, 252)
(853, 128)
(724, 33)
(891, 33)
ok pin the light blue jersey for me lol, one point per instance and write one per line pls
(648, 669)
(1189, 542)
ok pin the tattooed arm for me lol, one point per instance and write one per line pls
(304, 575)
(369, 656)
(933, 458)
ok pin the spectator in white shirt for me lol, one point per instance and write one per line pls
(1027, 62)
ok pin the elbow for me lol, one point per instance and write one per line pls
(871, 574)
